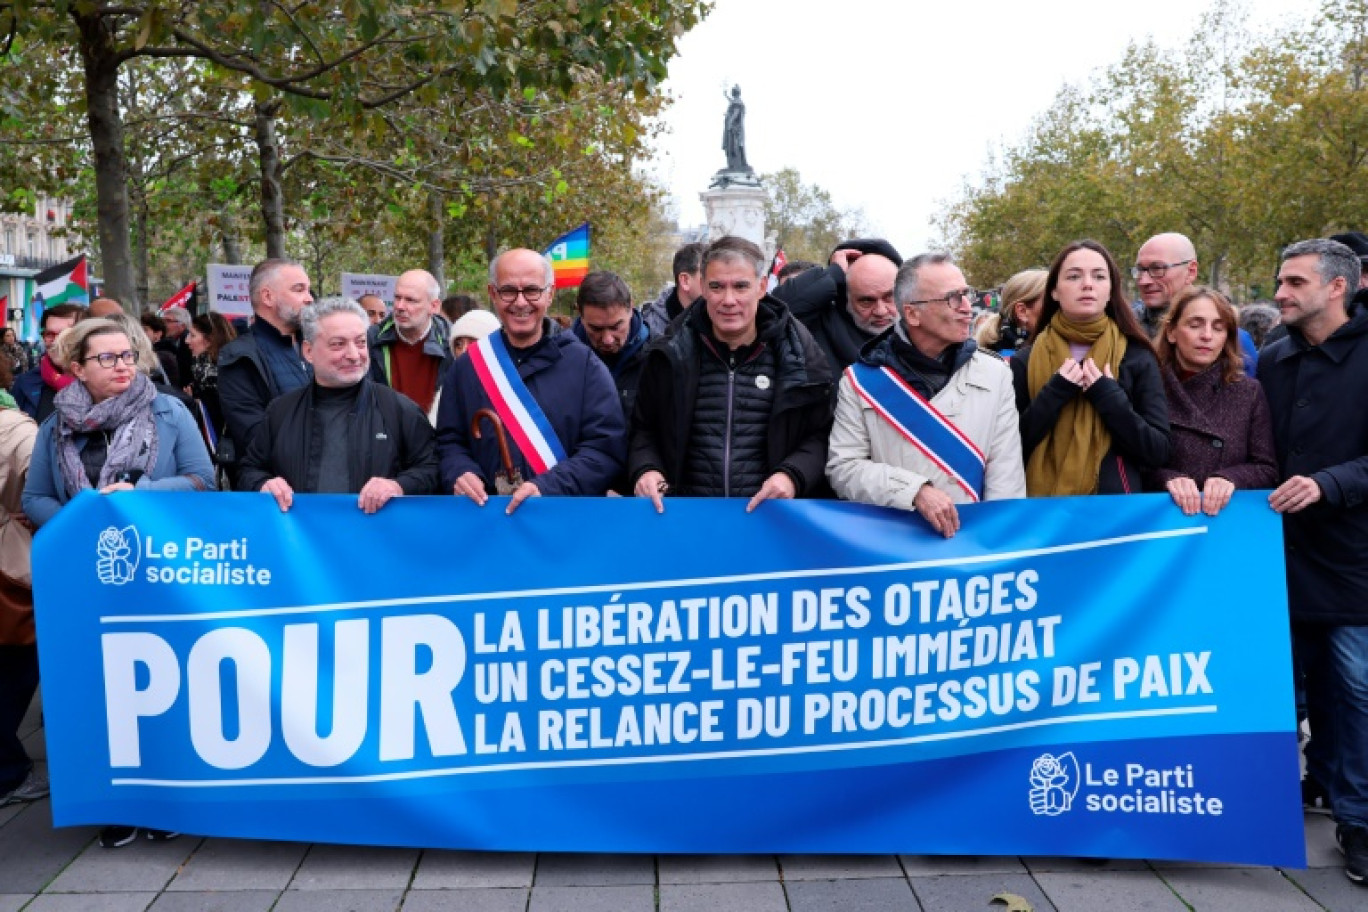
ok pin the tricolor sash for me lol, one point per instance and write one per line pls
(921, 424)
(522, 417)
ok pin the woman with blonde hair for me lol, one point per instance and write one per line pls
(1023, 296)
(1222, 431)
(112, 431)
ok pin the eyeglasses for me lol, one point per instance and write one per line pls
(1156, 270)
(509, 293)
(955, 298)
(109, 359)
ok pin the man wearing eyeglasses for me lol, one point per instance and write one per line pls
(409, 350)
(33, 390)
(925, 420)
(547, 396)
(1165, 265)
(849, 302)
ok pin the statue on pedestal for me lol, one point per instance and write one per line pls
(737, 171)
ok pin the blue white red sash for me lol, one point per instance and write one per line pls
(919, 422)
(522, 417)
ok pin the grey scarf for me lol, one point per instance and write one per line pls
(127, 419)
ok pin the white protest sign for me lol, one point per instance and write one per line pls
(228, 289)
(356, 284)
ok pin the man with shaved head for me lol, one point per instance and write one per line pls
(849, 303)
(105, 307)
(1165, 265)
(408, 349)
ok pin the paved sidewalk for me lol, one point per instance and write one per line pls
(47, 870)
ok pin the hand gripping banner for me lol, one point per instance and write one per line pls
(1096, 676)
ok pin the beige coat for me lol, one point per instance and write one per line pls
(870, 462)
(17, 433)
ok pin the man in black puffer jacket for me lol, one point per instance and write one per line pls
(735, 399)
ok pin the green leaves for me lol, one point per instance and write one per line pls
(1243, 142)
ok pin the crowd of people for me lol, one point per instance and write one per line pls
(860, 379)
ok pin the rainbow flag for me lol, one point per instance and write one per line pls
(569, 255)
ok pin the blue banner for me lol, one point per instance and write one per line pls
(1094, 676)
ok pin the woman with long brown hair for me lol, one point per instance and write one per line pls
(1221, 429)
(208, 333)
(1093, 413)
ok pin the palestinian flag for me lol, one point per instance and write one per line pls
(64, 283)
(569, 255)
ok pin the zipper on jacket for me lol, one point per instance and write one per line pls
(727, 434)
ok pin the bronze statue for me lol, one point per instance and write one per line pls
(734, 133)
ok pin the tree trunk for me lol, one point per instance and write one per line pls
(232, 253)
(491, 242)
(272, 198)
(436, 240)
(140, 266)
(111, 170)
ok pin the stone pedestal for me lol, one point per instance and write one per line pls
(738, 209)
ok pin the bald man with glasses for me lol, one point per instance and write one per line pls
(552, 396)
(1164, 266)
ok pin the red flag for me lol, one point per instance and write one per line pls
(780, 261)
(4, 311)
(179, 298)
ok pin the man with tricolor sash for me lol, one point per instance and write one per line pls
(550, 420)
(926, 420)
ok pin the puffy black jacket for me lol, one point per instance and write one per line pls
(387, 437)
(1319, 432)
(669, 436)
(727, 456)
(1133, 407)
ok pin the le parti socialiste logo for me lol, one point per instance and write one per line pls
(1054, 783)
(116, 555)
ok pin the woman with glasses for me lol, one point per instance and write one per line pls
(1093, 413)
(111, 430)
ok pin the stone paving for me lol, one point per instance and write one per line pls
(48, 870)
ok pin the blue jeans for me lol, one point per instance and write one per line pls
(1335, 662)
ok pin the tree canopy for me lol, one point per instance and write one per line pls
(1243, 142)
(312, 127)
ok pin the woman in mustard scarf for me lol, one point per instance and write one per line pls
(1091, 397)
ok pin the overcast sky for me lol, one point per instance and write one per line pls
(892, 105)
